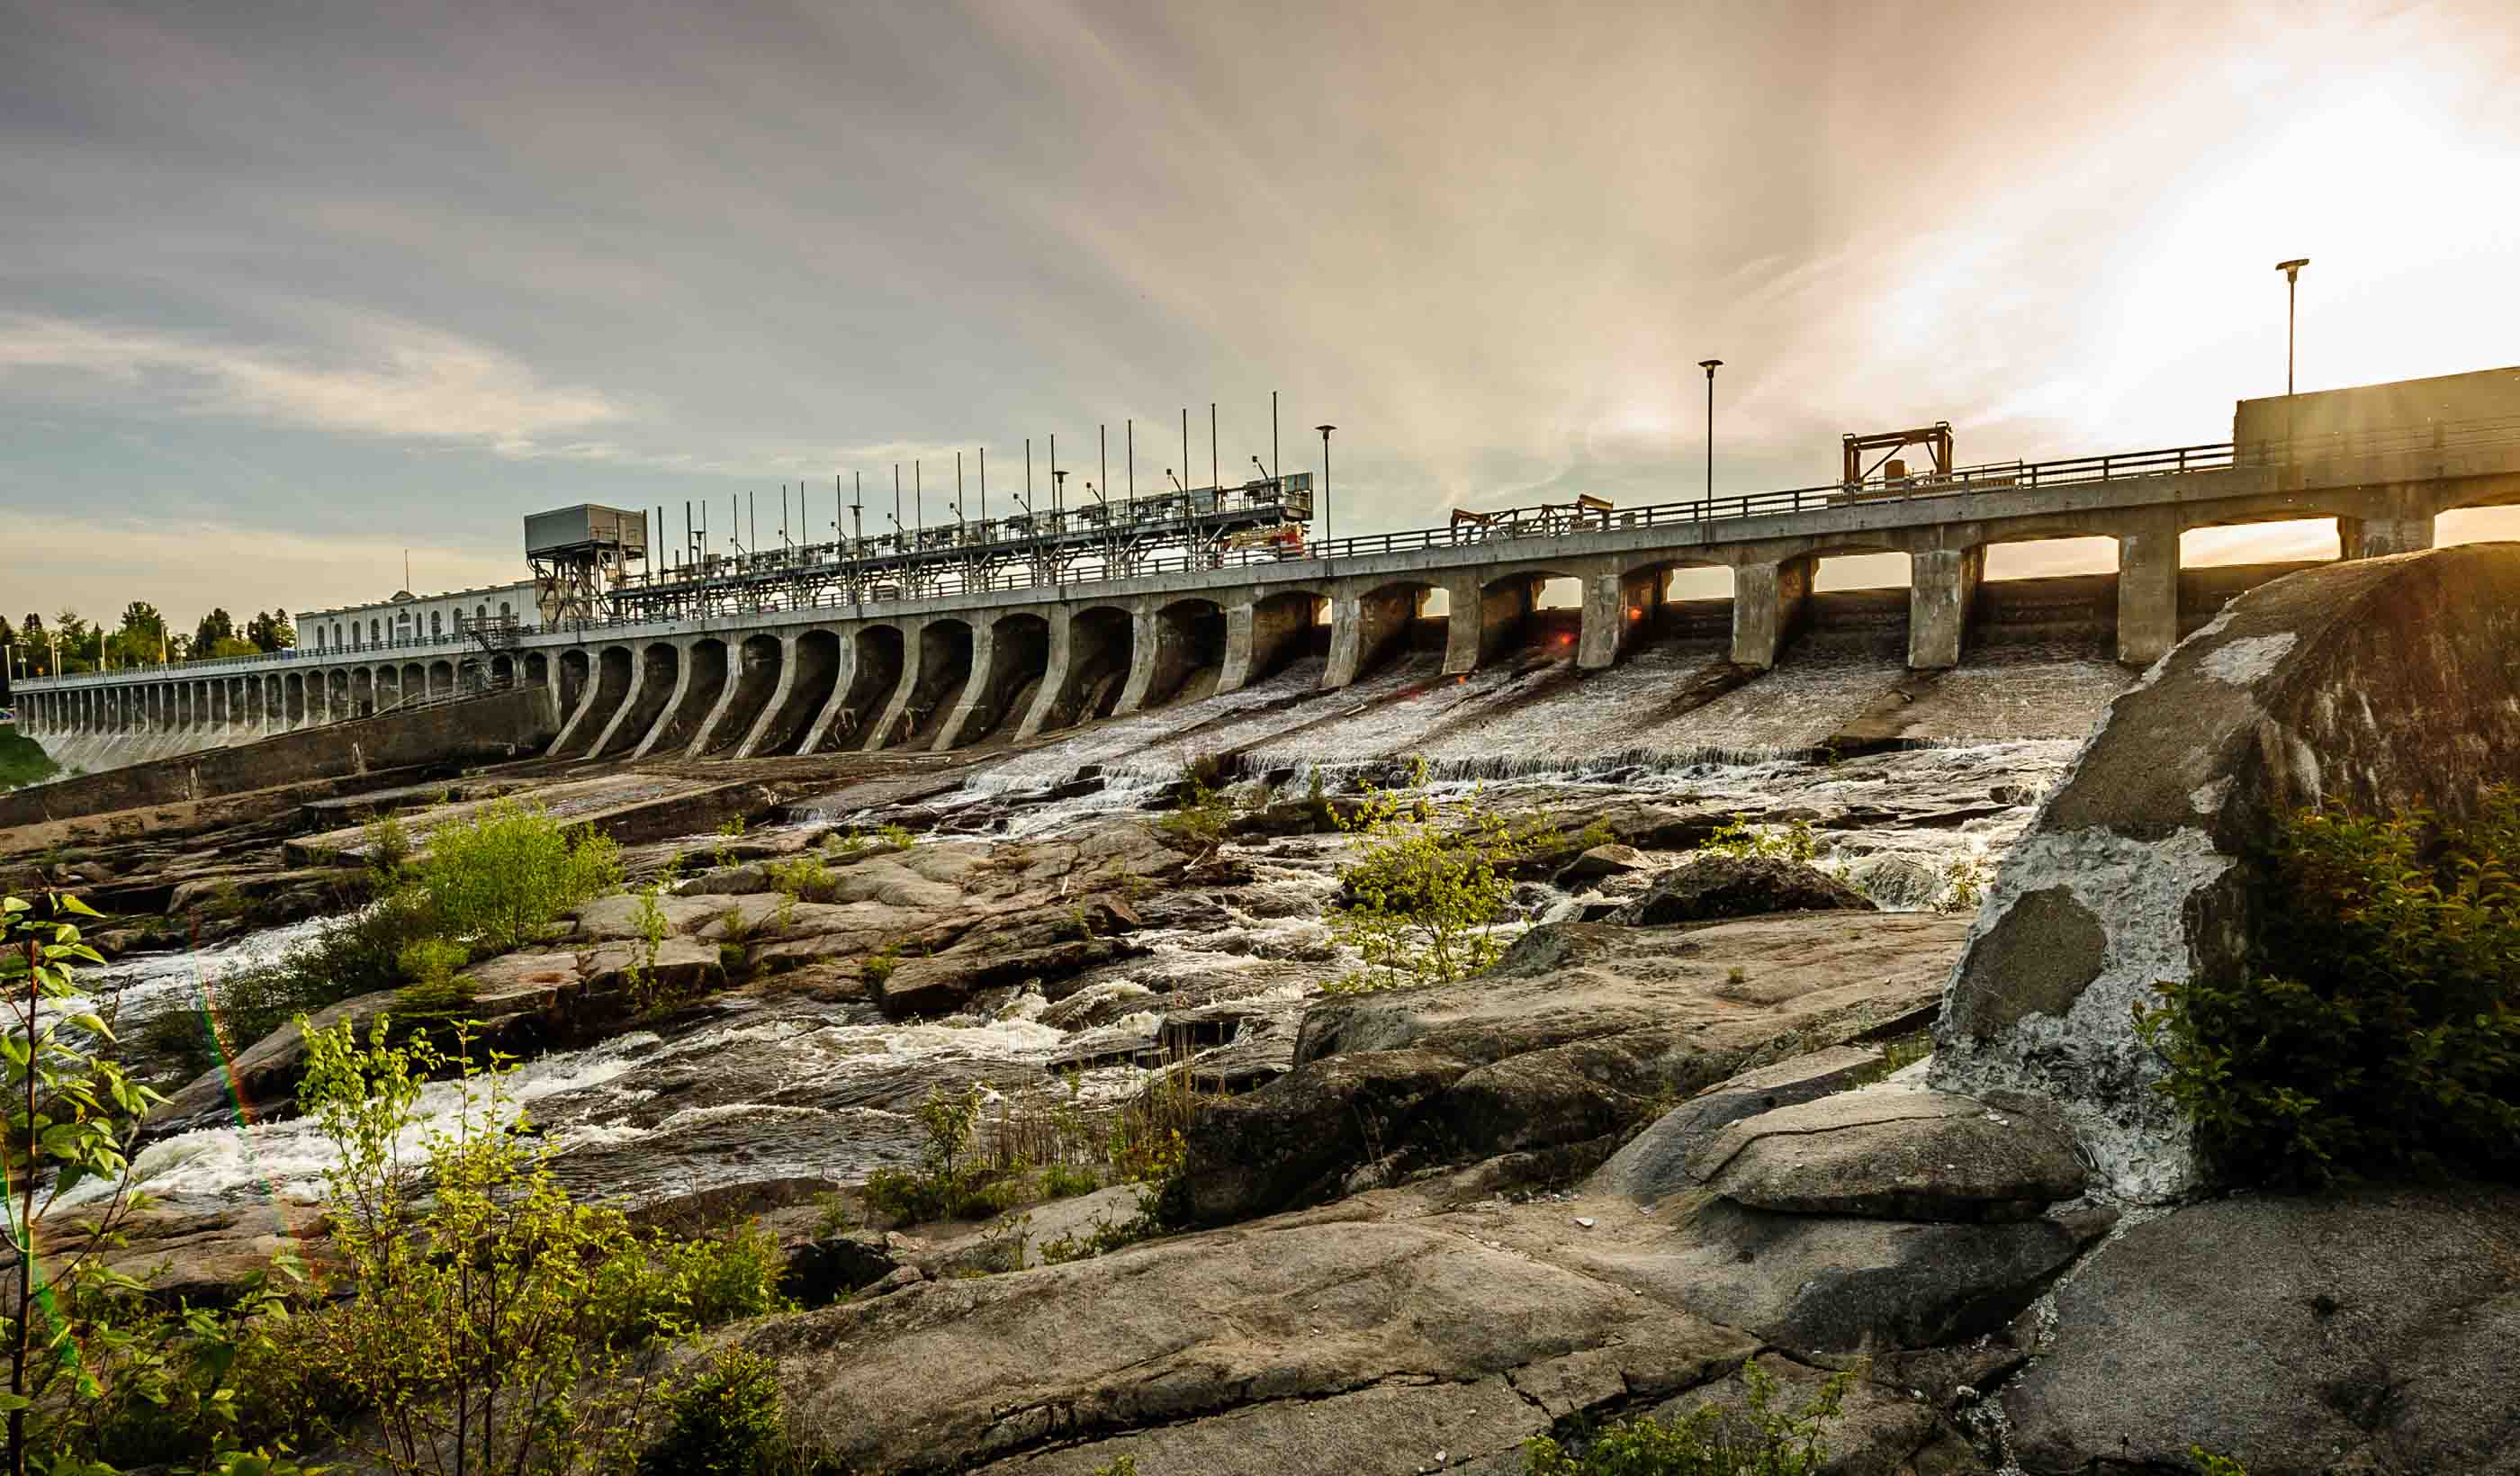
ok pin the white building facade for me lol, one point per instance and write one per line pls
(409, 619)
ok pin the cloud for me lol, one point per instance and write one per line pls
(389, 379)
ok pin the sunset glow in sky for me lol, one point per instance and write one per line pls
(285, 290)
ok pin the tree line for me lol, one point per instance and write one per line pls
(70, 643)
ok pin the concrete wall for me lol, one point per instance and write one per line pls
(500, 726)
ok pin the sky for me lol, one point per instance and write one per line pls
(288, 289)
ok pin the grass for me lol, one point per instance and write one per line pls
(23, 760)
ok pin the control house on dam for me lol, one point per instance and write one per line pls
(944, 636)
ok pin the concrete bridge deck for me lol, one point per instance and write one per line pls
(957, 665)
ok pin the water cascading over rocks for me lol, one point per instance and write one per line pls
(2381, 684)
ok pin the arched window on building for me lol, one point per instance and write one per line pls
(480, 612)
(337, 636)
(437, 625)
(376, 633)
(319, 638)
(505, 614)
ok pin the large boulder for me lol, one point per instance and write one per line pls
(1895, 1151)
(1572, 1039)
(1819, 1285)
(1713, 888)
(1655, 1162)
(2384, 684)
(2377, 1330)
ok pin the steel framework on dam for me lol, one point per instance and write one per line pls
(1116, 538)
(944, 635)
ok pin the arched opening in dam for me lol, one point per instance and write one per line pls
(703, 683)
(651, 688)
(944, 666)
(614, 668)
(1004, 687)
(574, 672)
(441, 679)
(874, 673)
(1387, 622)
(1285, 628)
(1189, 652)
(1089, 684)
(815, 658)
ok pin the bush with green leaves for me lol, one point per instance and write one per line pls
(97, 1373)
(482, 1318)
(1740, 838)
(726, 1423)
(1201, 814)
(1420, 902)
(497, 877)
(953, 1181)
(2376, 1028)
(1758, 1439)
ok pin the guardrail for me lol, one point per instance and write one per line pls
(1513, 524)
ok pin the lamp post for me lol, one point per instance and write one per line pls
(1710, 366)
(1325, 487)
(2292, 277)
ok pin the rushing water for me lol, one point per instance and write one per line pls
(769, 1088)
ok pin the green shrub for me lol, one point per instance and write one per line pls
(952, 1181)
(2210, 1464)
(879, 966)
(1740, 838)
(2376, 1030)
(388, 845)
(24, 761)
(724, 1423)
(807, 877)
(1420, 902)
(1065, 1180)
(499, 876)
(481, 1312)
(897, 836)
(1757, 1440)
(1126, 1465)
(1201, 816)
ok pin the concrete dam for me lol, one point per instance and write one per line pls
(942, 639)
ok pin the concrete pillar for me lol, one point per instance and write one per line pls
(1364, 625)
(1256, 633)
(1484, 618)
(973, 704)
(1618, 608)
(2400, 522)
(895, 706)
(1941, 586)
(1057, 675)
(2148, 592)
(844, 676)
(1145, 643)
(1768, 600)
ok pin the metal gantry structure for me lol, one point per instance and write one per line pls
(1107, 538)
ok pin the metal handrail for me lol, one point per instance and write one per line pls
(1534, 524)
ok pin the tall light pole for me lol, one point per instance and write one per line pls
(1325, 487)
(1710, 366)
(2292, 277)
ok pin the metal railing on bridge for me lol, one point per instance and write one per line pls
(1513, 524)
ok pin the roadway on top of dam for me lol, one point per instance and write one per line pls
(2394, 483)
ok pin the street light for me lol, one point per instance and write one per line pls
(1710, 366)
(1325, 487)
(2292, 277)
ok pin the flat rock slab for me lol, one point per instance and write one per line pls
(2374, 1331)
(1894, 1151)
(1221, 1348)
(1654, 1163)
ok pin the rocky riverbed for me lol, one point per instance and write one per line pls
(1687, 1118)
